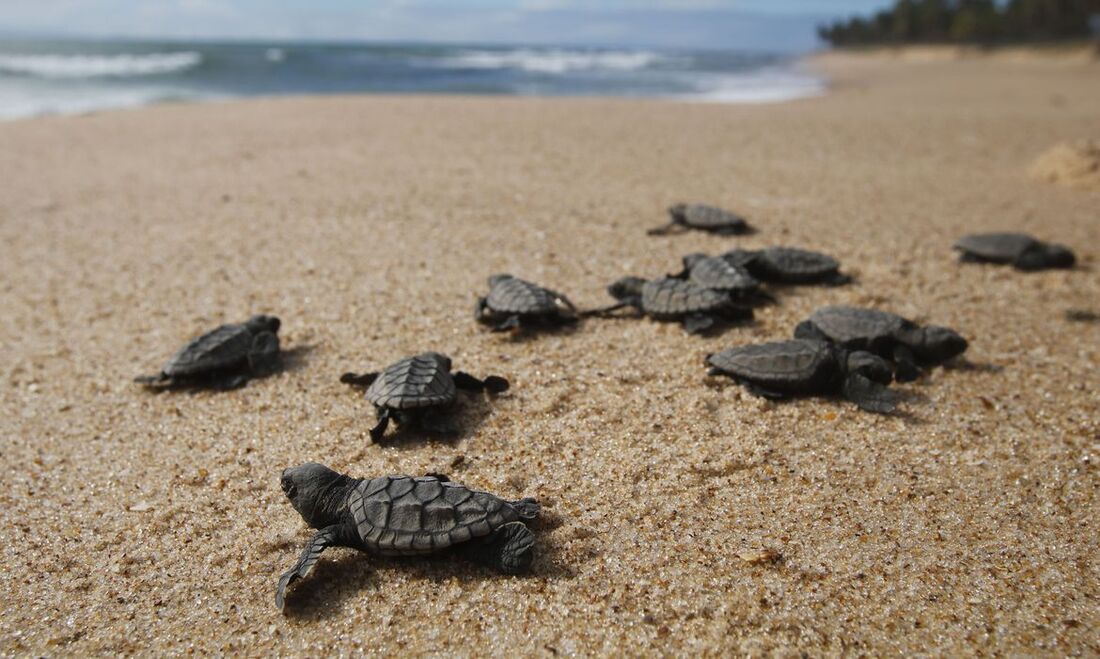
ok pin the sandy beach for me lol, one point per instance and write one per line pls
(134, 522)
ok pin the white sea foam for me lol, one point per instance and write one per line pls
(549, 61)
(98, 66)
(766, 85)
(21, 101)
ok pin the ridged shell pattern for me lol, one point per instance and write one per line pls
(222, 347)
(675, 297)
(420, 381)
(719, 274)
(404, 515)
(709, 217)
(514, 295)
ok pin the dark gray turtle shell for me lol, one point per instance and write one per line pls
(792, 265)
(508, 294)
(705, 217)
(856, 327)
(797, 366)
(421, 381)
(719, 274)
(997, 247)
(672, 298)
(224, 347)
(400, 515)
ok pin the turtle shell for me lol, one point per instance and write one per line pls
(671, 298)
(858, 327)
(718, 273)
(792, 265)
(740, 258)
(508, 294)
(403, 515)
(705, 217)
(795, 366)
(421, 381)
(224, 347)
(997, 247)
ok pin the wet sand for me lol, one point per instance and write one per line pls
(154, 523)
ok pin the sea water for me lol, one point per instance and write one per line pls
(46, 77)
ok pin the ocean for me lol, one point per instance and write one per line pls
(49, 77)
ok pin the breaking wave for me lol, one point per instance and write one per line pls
(550, 61)
(98, 66)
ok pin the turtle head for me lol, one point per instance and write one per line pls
(676, 212)
(497, 279)
(626, 288)
(257, 324)
(870, 366)
(938, 344)
(316, 492)
(1046, 255)
(691, 259)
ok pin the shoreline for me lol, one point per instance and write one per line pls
(154, 523)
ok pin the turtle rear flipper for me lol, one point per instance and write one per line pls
(510, 549)
(359, 379)
(869, 395)
(322, 540)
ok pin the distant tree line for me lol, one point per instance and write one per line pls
(969, 21)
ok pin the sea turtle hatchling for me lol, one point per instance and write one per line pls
(418, 389)
(1024, 252)
(716, 273)
(801, 367)
(225, 357)
(698, 309)
(513, 302)
(789, 265)
(405, 516)
(886, 334)
(703, 218)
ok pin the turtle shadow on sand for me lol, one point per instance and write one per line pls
(964, 364)
(290, 360)
(536, 332)
(354, 575)
(463, 418)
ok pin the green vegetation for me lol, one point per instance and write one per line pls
(969, 22)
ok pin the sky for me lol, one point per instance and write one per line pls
(741, 24)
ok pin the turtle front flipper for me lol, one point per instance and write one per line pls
(384, 414)
(493, 384)
(697, 323)
(663, 230)
(906, 369)
(263, 358)
(324, 538)
(509, 549)
(359, 379)
(508, 324)
(869, 395)
(158, 380)
(807, 330)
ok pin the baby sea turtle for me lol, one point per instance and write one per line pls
(418, 389)
(716, 273)
(801, 367)
(886, 334)
(789, 265)
(405, 516)
(225, 357)
(1021, 250)
(704, 218)
(696, 308)
(513, 302)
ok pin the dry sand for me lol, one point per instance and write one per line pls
(136, 522)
